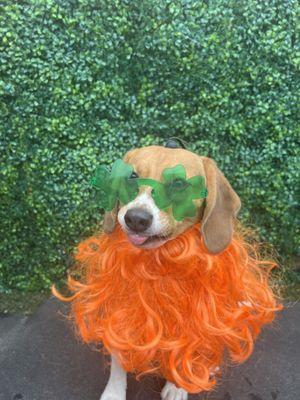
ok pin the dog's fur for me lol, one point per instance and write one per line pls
(175, 303)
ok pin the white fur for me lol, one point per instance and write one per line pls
(171, 392)
(117, 383)
(145, 201)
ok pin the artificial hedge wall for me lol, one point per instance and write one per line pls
(82, 81)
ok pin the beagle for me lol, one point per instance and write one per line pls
(170, 286)
(147, 226)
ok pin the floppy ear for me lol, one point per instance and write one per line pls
(110, 220)
(222, 206)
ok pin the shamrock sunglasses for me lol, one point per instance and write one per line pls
(122, 184)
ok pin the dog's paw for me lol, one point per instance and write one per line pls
(110, 393)
(171, 392)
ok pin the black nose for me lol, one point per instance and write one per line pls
(138, 220)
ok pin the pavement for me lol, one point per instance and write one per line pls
(41, 359)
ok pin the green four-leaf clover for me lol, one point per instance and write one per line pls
(178, 192)
(115, 185)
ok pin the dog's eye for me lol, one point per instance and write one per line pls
(178, 185)
(134, 175)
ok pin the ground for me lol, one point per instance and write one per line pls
(40, 359)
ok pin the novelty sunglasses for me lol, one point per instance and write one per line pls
(122, 184)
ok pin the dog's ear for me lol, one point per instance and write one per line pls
(221, 206)
(110, 220)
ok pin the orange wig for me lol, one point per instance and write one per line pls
(173, 310)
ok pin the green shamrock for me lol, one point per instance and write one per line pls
(178, 192)
(115, 185)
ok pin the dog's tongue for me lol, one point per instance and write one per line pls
(137, 239)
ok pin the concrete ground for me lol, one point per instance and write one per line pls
(40, 359)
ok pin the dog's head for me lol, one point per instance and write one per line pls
(148, 227)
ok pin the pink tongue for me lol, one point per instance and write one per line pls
(137, 239)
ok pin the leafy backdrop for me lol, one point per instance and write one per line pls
(82, 81)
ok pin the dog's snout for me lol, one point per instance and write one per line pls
(138, 220)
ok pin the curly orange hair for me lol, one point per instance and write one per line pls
(173, 310)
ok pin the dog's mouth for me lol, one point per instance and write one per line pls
(147, 241)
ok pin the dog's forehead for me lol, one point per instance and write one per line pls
(152, 160)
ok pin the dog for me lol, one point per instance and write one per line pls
(170, 296)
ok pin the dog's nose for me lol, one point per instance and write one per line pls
(138, 220)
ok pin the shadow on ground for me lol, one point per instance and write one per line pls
(40, 359)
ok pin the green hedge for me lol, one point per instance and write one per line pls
(82, 81)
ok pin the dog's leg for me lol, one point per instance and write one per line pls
(117, 383)
(171, 392)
